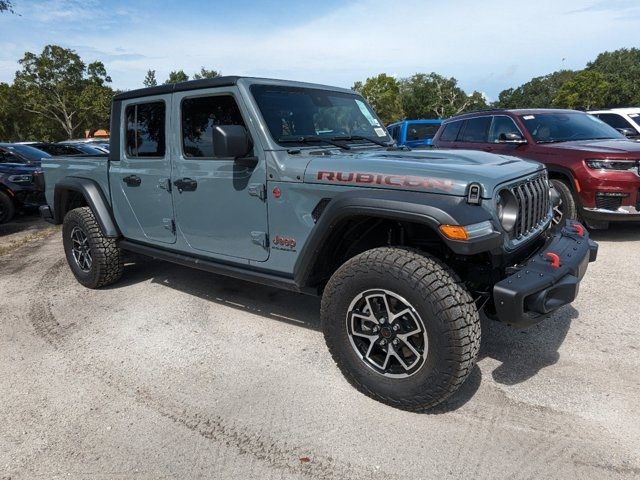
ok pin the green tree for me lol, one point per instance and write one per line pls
(587, 90)
(176, 76)
(6, 6)
(538, 92)
(383, 94)
(64, 93)
(432, 95)
(204, 73)
(150, 79)
(622, 70)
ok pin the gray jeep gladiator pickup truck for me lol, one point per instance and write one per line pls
(299, 186)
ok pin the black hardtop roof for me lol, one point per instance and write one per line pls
(513, 111)
(178, 87)
(217, 82)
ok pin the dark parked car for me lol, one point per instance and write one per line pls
(66, 149)
(21, 180)
(594, 168)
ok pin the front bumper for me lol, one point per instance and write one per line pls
(540, 286)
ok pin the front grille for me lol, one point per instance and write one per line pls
(533, 204)
(609, 201)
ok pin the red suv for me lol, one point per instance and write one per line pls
(593, 167)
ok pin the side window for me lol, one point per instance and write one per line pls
(502, 125)
(421, 131)
(9, 157)
(145, 135)
(476, 130)
(395, 132)
(615, 120)
(199, 116)
(450, 132)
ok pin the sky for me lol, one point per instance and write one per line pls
(487, 45)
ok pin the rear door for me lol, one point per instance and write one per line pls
(223, 210)
(140, 171)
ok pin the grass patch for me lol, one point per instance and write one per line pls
(29, 238)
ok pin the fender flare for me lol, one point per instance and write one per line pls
(94, 197)
(429, 209)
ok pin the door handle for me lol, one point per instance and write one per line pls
(186, 184)
(132, 180)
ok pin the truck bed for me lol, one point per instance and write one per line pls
(83, 166)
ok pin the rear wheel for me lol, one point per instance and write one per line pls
(94, 259)
(7, 208)
(401, 327)
(566, 209)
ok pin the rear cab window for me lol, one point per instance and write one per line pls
(145, 134)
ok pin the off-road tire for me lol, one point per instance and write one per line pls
(449, 313)
(569, 206)
(7, 208)
(106, 266)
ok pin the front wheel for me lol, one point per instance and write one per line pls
(566, 209)
(401, 327)
(7, 208)
(94, 259)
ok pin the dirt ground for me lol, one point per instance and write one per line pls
(176, 373)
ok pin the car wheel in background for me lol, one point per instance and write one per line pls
(7, 208)
(566, 209)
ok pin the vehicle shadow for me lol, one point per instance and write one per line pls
(23, 223)
(617, 232)
(522, 352)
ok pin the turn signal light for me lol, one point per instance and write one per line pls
(454, 232)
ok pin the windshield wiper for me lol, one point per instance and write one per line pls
(312, 139)
(348, 138)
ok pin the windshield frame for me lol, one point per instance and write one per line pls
(612, 134)
(326, 143)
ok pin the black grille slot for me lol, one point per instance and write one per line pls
(319, 208)
(608, 202)
(533, 204)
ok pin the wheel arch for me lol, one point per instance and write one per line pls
(385, 217)
(73, 192)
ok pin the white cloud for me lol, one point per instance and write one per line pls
(487, 45)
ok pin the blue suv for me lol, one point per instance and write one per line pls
(21, 180)
(414, 133)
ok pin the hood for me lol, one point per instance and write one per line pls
(434, 171)
(618, 147)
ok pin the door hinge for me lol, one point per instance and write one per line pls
(260, 238)
(258, 190)
(165, 184)
(169, 224)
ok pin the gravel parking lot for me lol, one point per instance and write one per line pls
(176, 373)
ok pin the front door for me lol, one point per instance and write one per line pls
(220, 203)
(140, 173)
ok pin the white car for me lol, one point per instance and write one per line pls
(625, 120)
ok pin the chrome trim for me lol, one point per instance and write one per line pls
(623, 210)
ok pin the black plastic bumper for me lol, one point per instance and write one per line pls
(541, 285)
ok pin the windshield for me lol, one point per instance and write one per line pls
(565, 127)
(635, 117)
(292, 112)
(26, 152)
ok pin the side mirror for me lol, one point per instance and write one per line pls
(512, 137)
(231, 141)
(628, 132)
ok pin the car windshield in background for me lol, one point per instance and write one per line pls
(298, 115)
(635, 117)
(566, 127)
(27, 152)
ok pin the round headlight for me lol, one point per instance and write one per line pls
(507, 209)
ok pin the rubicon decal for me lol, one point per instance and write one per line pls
(406, 181)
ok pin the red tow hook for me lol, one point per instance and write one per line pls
(555, 259)
(579, 229)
